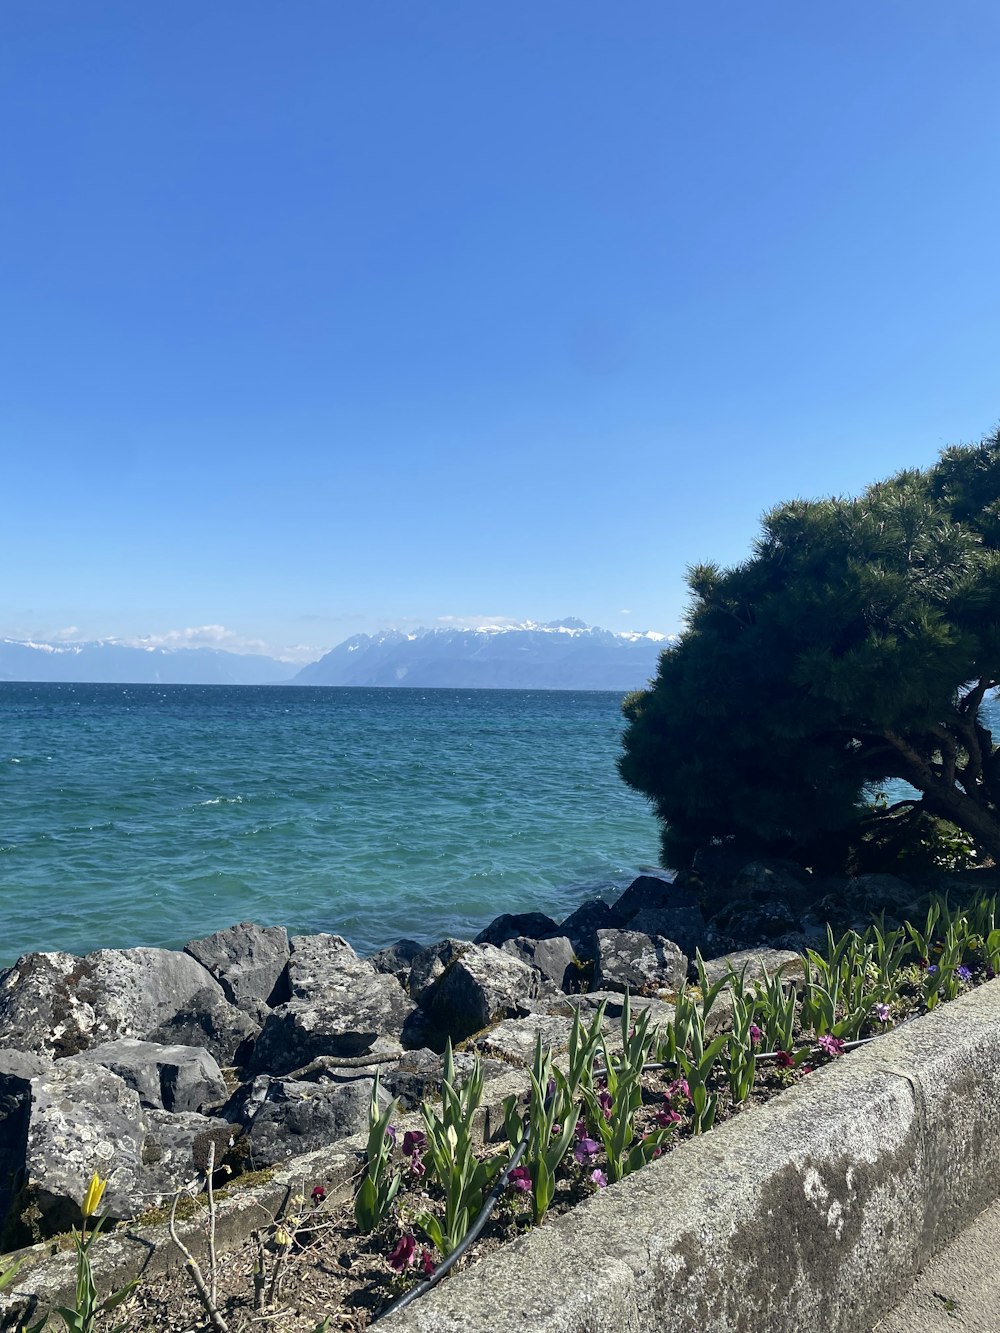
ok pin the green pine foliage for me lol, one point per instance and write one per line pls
(855, 645)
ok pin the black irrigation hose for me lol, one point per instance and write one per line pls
(482, 1217)
(490, 1202)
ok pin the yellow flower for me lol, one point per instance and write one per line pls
(95, 1193)
(282, 1239)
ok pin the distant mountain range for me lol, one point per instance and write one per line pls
(561, 655)
(108, 662)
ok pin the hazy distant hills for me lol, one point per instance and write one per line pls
(106, 662)
(562, 655)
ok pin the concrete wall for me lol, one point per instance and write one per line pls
(811, 1214)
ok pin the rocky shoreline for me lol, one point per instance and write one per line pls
(134, 1062)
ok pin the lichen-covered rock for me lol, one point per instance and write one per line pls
(480, 986)
(536, 925)
(346, 1020)
(175, 1151)
(630, 960)
(513, 1040)
(320, 963)
(247, 961)
(59, 1004)
(752, 964)
(17, 1069)
(83, 1118)
(167, 1078)
(554, 959)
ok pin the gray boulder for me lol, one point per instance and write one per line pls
(684, 925)
(752, 964)
(417, 1077)
(246, 960)
(167, 1078)
(175, 1151)
(652, 893)
(430, 964)
(513, 1040)
(481, 986)
(581, 926)
(282, 1118)
(512, 924)
(322, 963)
(345, 1020)
(58, 1004)
(82, 1119)
(630, 960)
(397, 960)
(210, 1021)
(554, 959)
(17, 1069)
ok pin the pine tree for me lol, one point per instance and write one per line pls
(855, 645)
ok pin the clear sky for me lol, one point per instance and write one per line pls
(322, 316)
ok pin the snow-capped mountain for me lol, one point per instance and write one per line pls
(561, 655)
(110, 662)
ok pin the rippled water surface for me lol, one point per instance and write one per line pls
(151, 815)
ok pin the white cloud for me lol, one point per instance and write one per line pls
(200, 636)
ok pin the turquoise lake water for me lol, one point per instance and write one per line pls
(154, 814)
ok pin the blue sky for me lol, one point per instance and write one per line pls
(322, 317)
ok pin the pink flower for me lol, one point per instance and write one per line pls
(417, 1167)
(413, 1141)
(668, 1116)
(426, 1263)
(756, 1034)
(784, 1060)
(599, 1178)
(882, 1013)
(679, 1088)
(403, 1255)
(520, 1179)
(831, 1045)
(318, 1195)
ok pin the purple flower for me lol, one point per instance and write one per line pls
(426, 1263)
(390, 1133)
(784, 1060)
(520, 1179)
(403, 1255)
(550, 1089)
(678, 1088)
(932, 968)
(756, 1034)
(831, 1045)
(318, 1195)
(882, 1013)
(585, 1150)
(668, 1116)
(599, 1178)
(964, 974)
(606, 1102)
(417, 1167)
(413, 1141)
(556, 1131)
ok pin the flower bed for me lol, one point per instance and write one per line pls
(596, 1117)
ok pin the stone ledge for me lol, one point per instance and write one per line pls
(812, 1212)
